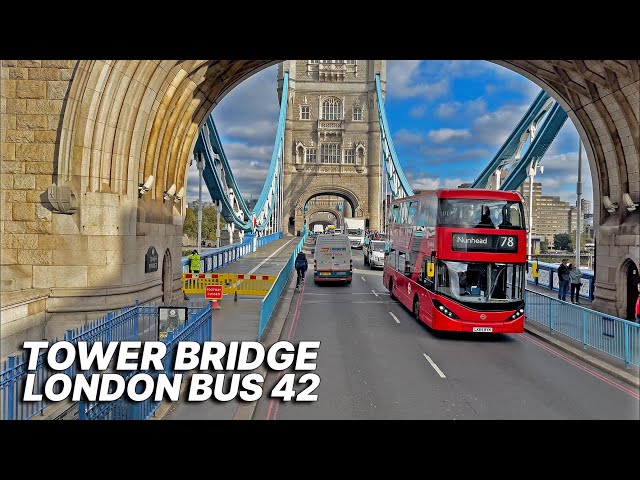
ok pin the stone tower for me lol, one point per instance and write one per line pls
(332, 137)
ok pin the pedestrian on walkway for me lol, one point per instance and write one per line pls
(194, 262)
(563, 278)
(301, 266)
(574, 277)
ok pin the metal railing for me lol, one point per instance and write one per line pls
(197, 329)
(612, 335)
(548, 278)
(116, 326)
(216, 258)
(270, 300)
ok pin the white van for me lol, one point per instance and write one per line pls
(332, 259)
(318, 229)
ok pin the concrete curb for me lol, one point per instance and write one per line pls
(585, 357)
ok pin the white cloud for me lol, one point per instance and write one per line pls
(428, 183)
(405, 137)
(443, 135)
(418, 112)
(470, 108)
(448, 110)
(403, 81)
(493, 128)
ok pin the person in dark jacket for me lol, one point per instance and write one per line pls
(563, 279)
(301, 266)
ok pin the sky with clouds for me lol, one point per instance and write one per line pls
(447, 119)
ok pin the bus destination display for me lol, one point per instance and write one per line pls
(473, 242)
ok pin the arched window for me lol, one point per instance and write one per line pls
(357, 113)
(305, 112)
(332, 109)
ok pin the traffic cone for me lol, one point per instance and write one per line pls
(214, 305)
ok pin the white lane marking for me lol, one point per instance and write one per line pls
(433, 364)
(394, 317)
(374, 292)
(363, 279)
(274, 253)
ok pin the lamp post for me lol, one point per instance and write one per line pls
(578, 202)
(535, 164)
(218, 210)
(200, 165)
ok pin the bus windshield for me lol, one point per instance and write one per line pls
(472, 213)
(481, 282)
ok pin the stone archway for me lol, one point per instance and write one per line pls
(104, 127)
(324, 190)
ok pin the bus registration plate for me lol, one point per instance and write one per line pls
(483, 329)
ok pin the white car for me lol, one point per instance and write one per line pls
(374, 253)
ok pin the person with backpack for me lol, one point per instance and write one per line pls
(301, 266)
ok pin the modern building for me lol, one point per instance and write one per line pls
(585, 207)
(551, 216)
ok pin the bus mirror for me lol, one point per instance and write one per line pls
(430, 269)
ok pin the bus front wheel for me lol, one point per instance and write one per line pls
(393, 297)
(416, 308)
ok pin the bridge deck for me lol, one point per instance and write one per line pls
(236, 321)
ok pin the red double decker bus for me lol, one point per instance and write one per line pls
(457, 259)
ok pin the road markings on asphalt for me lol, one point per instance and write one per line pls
(363, 279)
(394, 317)
(433, 364)
(374, 292)
(274, 253)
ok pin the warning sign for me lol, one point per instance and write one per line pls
(213, 292)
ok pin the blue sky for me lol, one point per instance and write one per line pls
(448, 118)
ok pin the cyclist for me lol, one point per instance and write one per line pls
(301, 266)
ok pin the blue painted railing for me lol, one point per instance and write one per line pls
(197, 329)
(215, 258)
(615, 336)
(270, 300)
(262, 241)
(548, 278)
(116, 326)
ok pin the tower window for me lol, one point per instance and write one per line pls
(332, 109)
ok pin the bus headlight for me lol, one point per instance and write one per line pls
(444, 310)
(518, 313)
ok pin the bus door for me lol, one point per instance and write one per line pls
(427, 279)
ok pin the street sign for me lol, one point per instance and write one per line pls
(213, 292)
